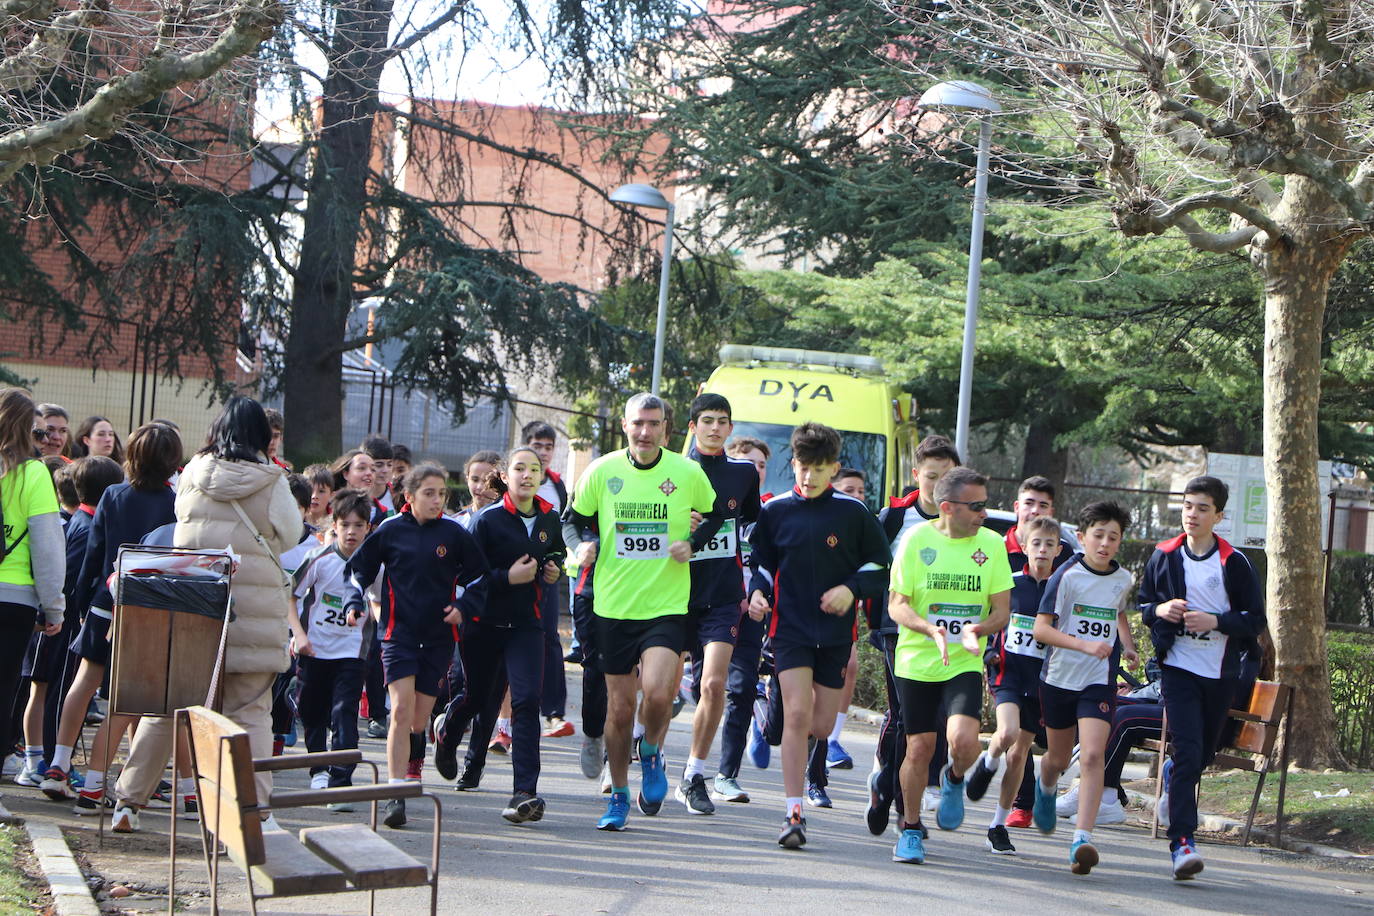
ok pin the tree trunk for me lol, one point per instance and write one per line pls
(1041, 457)
(323, 292)
(1296, 279)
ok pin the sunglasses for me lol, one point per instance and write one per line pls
(977, 505)
(40, 435)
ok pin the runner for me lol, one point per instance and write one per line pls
(816, 554)
(950, 579)
(713, 616)
(1083, 621)
(1014, 658)
(641, 498)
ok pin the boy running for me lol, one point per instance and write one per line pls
(1082, 620)
(950, 579)
(641, 500)
(1201, 599)
(816, 553)
(713, 613)
(1014, 662)
(330, 645)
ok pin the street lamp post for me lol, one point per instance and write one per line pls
(643, 195)
(963, 95)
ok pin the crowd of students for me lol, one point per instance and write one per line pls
(368, 597)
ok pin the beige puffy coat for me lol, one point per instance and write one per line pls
(206, 519)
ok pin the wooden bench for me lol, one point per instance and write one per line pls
(324, 860)
(1255, 732)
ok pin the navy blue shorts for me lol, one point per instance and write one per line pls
(1062, 708)
(1029, 704)
(713, 624)
(827, 663)
(427, 663)
(621, 643)
(93, 639)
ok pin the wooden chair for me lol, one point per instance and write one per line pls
(1255, 731)
(325, 860)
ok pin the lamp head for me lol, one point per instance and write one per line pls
(958, 94)
(640, 195)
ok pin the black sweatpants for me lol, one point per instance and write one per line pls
(553, 701)
(741, 689)
(1197, 708)
(593, 678)
(16, 627)
(331, 689)
(493, 658)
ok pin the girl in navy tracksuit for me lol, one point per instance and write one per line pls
(424, 560)
(503, 640)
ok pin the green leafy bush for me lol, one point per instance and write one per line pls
(1351, 657)
(1350, 588)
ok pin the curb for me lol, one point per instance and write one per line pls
(71, 895)
(1216, 823)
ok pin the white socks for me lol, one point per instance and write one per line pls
(793, 804)
(839, 725)
(695, 767)
(1082, 836)
(999, 817)
(62, 757)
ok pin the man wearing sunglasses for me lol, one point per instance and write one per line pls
(950, 589)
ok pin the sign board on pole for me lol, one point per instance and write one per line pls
(1247, 511)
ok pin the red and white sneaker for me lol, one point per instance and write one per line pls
(559, 728)
(1019, 817)
(57, 785)
(500, 744)
(415, 769)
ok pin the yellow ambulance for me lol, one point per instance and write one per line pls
(773, 389)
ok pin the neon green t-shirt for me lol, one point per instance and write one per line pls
(24, 492)
(949, 582)
(639, 512)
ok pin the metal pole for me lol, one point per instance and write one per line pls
(662, 323)
(975, 270)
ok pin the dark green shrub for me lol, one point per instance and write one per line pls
(1351, 657)
(1350, 588)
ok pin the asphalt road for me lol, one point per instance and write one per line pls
(730, 863)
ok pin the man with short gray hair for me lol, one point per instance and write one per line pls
(632, 513)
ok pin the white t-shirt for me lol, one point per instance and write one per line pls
(320, 593)
(1204, 583)
(1085, 603)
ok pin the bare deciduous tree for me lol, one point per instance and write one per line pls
(1244, 127)
(73, 72)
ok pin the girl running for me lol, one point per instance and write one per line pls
(502, 643)
(422, 559)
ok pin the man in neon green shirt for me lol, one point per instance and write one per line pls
(950, 578)
(633, 512)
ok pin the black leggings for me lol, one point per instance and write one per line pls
(16, 627)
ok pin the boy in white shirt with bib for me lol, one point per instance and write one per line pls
(1202, 601)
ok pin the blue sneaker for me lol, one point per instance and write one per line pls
(909, 847)
(1187, 861)
(1082, 857)
(653, 786)
(950, 812)
(1043, 813)
(836, 757)
(816, 797)
(758, 748)
(617, 812)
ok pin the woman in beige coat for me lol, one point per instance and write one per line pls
(232, 468)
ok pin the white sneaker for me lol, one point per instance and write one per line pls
(606, 780)
(15, 764)
(319, 781)
(270, 825)
(1110, 811)
(125, 819)
(1162, 810)
(930, 800)
(27, 776)
(1066, 805)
